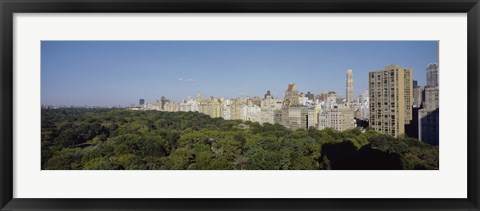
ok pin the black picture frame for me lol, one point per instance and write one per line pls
(9, 7)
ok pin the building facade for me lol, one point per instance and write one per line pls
(291, 96)
(337, 118)
(391, 99)
(298, 117)
(429, 115)
(418, 96)
(350, 93)
(432, 75)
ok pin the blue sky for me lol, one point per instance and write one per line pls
(111, 73)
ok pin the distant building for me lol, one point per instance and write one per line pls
(411, 129)
(310, 96)
(270, 115)
(226, 110)
(142, 102)
(250, 113)
(391, 99)
(189, 105)
(428, 126)
(163, 101)
(350, 93)
(418, 96)
(298, 117)
(211, 107)
(428, 116)
(331, 100)
(337, 118)
(432, 75)
(271, 111)
(364, 106)
(268, 94)
(291, 96)
(431, 98)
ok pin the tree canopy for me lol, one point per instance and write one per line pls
(117, 139)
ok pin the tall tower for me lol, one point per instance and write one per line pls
(428, 116)
(349, 94)
(432, 75)
(391, 99)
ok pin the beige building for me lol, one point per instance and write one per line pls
(298, 117)
(391, 99)
(418, 94)
(271, 110)
(270, 115)
(349, 95)
(431, 98)
(211, 107)
(337, 118)
(291, 96)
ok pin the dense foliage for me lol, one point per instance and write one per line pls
(124, 139)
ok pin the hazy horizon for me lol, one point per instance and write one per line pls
(119, 73)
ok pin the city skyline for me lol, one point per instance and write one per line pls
(111, 73)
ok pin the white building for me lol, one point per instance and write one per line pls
(226, 111)
(189, 105)
(364, 106)
(250, 113)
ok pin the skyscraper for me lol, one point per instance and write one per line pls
(432, 75)
(428, 116)
(349, 94)
(391, 99)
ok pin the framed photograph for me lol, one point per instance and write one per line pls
(254, 105)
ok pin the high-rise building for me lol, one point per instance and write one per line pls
(431, 101)
(432, 75)
(428, 116)
(142, 102)
(349, 95)
(391, 99)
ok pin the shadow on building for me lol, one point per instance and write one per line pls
(428, 126)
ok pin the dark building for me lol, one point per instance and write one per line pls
(310, 95)
(142, 102)
(411, 129)
(428, 126)
(163, 100)
(267, 94)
